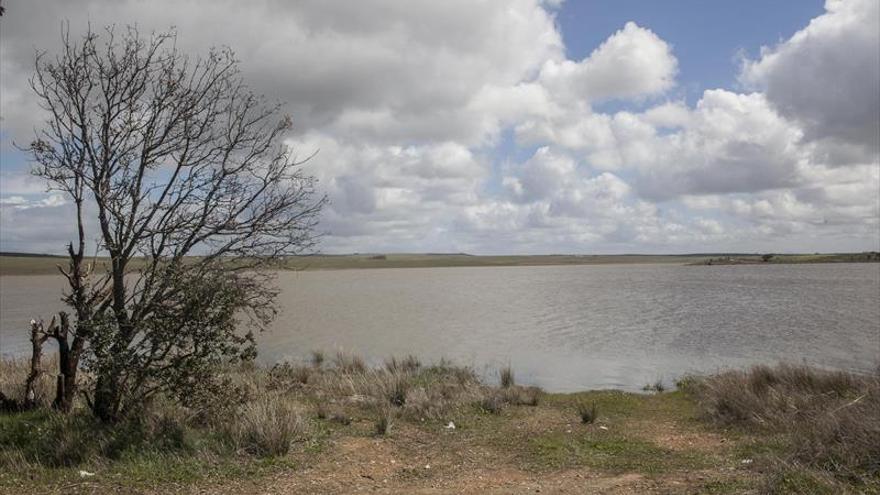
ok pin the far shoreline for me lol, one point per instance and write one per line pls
(24, 264)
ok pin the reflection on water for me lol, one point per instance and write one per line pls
(565, 327)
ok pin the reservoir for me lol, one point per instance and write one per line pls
(564, 328)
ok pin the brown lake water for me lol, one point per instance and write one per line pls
(561, 327)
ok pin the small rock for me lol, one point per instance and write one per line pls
(427, 466)
(603, 427)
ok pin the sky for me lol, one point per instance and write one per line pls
(526, 126)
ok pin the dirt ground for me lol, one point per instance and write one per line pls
(497, 457)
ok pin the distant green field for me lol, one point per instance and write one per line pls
(41, 265)
(329, 262)
(866, 257)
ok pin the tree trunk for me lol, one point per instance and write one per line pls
(68, 364)
(107, 398)
(38, 337)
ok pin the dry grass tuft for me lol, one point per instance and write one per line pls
(384, 421)
(587, 411)
(317, 358)
(507, 379)
(398, 389)
(409, 364)
(283, 376)
(832, 418)
(349, 363)
(267, 426)
(520, 396)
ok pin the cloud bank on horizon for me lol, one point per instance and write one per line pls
(468, 126)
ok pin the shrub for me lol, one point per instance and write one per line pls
(844, 441)
(51, 439)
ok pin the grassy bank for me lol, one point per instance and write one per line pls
(334, 425)
(22, 264)
(788, 259)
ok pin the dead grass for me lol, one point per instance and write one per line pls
(384, 421)
(14, 372)
(802, 431)
(409, 364)
(267, 426)
(349, 363)
(830, 420)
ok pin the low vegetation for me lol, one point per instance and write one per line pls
(784, 429)
(783, 259)
(822, 427)
(279, 410)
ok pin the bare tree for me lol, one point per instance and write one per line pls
(176, 168)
